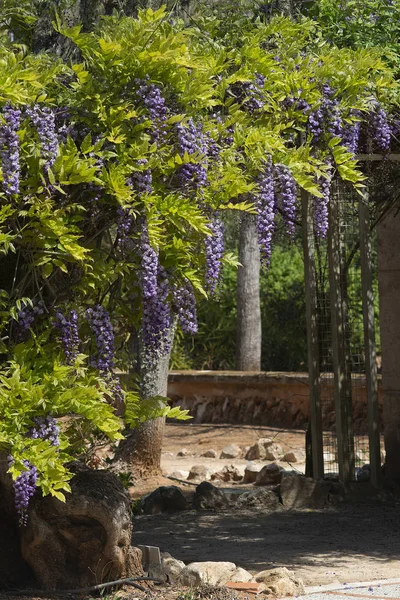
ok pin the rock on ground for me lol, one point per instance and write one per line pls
(169, 570)
(294, 456)
(227, 473)
(84, 541)
(269, 475)
(250, 473)
(209, 497)
(183, 452)
(273, 452)
(280, 582)
(212, 573)
(210, 454)
(298, 491)
(258, 450)
(199, 473)
(259, 498)
(231, 451)
(163, 499)
(179, 474)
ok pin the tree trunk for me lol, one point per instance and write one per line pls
(248, 326)
(389, 293)
(140, 452)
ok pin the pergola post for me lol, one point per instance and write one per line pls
(312, 336)
(369, 342)
(341, 374)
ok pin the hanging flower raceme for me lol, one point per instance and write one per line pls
(10, 149)
(149, 265)
(24, 489)
(191, 140)
(68, 333)
(185, 306)
(254, 94)
(214, 253)
(156, 317)
(153, 100)
(44, 121)
(100, 324)
(380, 128)
(288, 195)
(351, 133)
(265, 205)
(26, 318)
(44, 428)
(321, 205)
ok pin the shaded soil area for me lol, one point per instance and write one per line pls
(349, 543)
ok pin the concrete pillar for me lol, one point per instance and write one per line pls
(389, 299)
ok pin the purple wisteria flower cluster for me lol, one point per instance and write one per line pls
(153, 100)
(288, 194)
(100, 323)
(142, 180)
(351, 132)
(214, 252)
(266, 209)
(45, 428)
(156, 317)
(254, 93)
(149, 266)
(24, 489)
(10, 149)
(321, 205)
(380, 128)
(44, 120)
(68, 333)
(185, 307)
(26, 317)
(192, 141)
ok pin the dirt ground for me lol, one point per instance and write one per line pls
(355, 541)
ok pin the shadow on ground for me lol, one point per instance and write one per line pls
(353, 542)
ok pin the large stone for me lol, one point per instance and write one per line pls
(259, 499)
(180, 474)
(211, 573)
(250, 473)
(199, 473)
(273, 452)
(183, 452)
(241, 576)
(227, 473)
(269, 475)
(231, 451)
(168, 570)
(163, 499)
(294, 456)
(84, 541)
(257, 450)
(208, 497)
(210, 454)
(298, 491)
(280, 582)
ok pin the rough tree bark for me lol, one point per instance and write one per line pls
(248, 326)
(140, 452)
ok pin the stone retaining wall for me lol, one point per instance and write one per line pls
(259, 398)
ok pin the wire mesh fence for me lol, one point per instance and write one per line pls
(341, 338)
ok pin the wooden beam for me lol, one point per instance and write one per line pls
(312, 335)
(341, 374)
(369, 343)
(377, 157)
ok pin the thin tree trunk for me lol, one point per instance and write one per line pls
(140, 452)
(248, 326)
